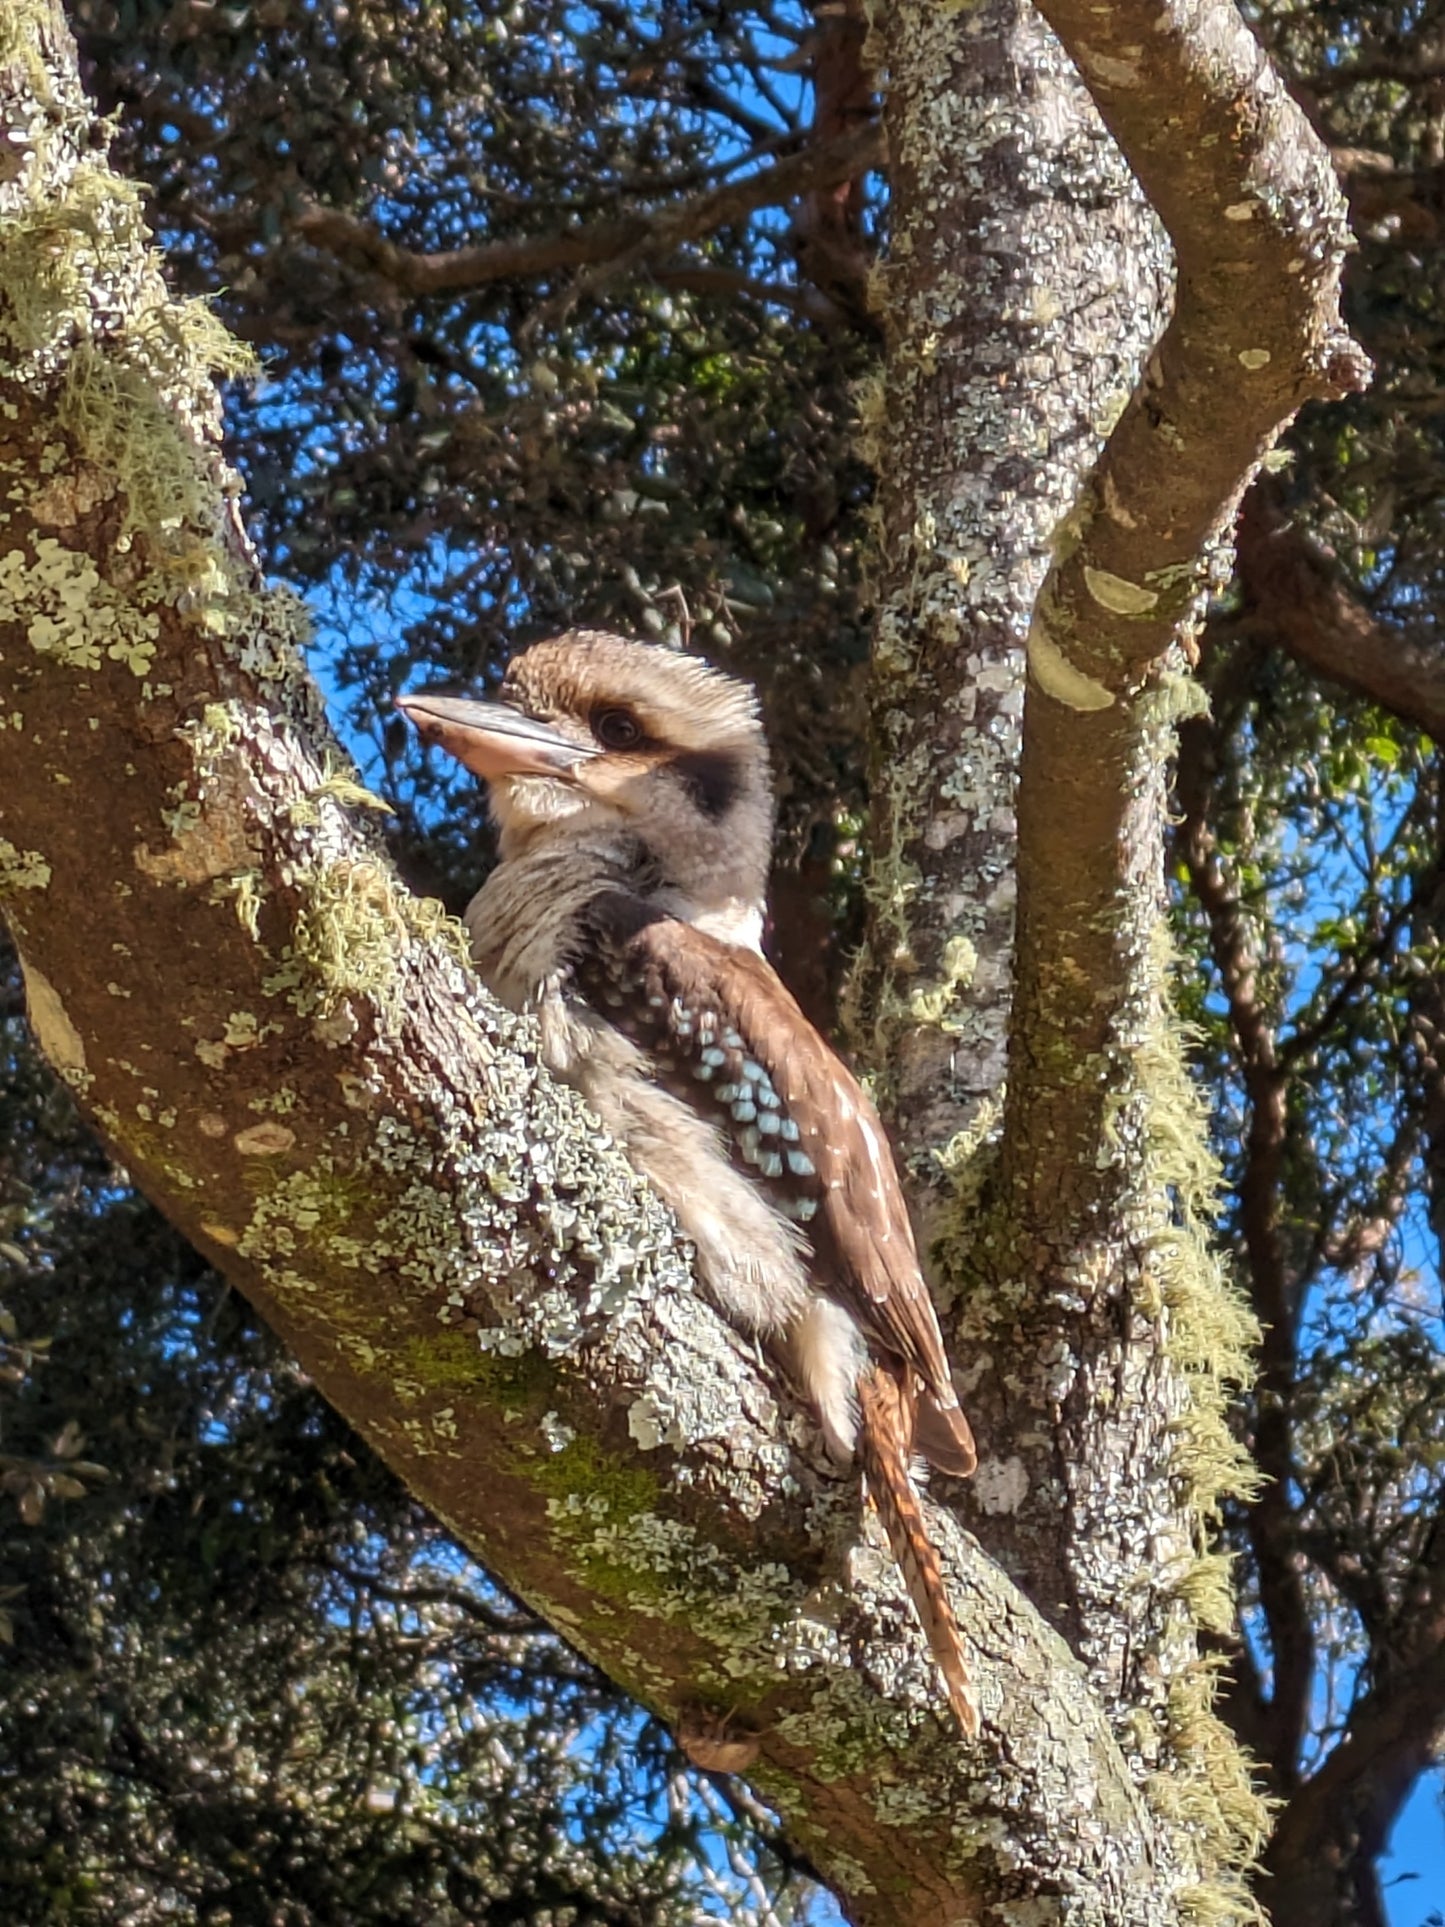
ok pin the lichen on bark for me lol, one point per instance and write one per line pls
(1045, 1102)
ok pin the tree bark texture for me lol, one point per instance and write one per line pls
(1026, 292)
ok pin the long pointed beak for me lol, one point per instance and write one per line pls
(492, 740)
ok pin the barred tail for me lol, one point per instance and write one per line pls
(885, 1446)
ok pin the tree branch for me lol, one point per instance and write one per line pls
(1335, 1827)
(1296, 589)
(637, 236)
(515, 1624)
(1407, 69)
(1272, 1284)
(1018, 314)
(1068, 1289)
(1246, 193)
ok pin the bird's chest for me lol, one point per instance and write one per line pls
(522, 924)
(635, 1043)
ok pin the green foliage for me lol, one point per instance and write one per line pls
(656, 448)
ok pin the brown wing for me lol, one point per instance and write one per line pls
(726, 1035)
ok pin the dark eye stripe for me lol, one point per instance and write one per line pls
(712, 778)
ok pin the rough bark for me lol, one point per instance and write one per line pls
(1025, 282)
(1093, 1325)
(1247, 196)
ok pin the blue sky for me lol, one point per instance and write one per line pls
(1414, 1868)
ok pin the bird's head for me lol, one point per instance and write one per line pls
(593, 735)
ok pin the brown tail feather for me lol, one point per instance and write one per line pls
(885, 1445)
(942, 1434)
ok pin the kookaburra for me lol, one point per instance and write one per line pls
(633, 794)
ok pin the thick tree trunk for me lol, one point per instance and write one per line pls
(1093, 1327)
(1020, 313)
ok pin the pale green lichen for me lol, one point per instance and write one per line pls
(352, 930)
(603, 1510)
(338, 785)
(970, 1154)
(317, 1209)
(134, 415)
(891, 883)
(21, 869)
(278, 1102)
(183, 818)
(1209, 1336)
(622, 1548)
(872, 419)
(936, 1003)
(56, 594)
(1217, 1806)
(217, 728)
(54, 249)
(114, 396)
(1174, 698)
(123, 420)
(894, 878)
(244, 1030)
(1211, 1333)
(1119, 596)
(243, 889)
(350, 935)
(1206, 1590)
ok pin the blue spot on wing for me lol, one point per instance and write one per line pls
(658, 982)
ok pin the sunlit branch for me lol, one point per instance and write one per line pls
(1295, 587)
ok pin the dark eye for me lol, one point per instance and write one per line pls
(616, 728)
